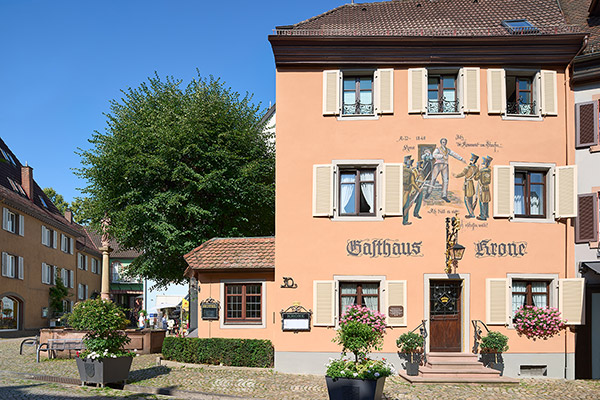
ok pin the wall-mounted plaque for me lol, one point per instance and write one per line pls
(396, 311)
(210, 309)
(295, 319)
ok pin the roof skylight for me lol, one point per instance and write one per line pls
(8, 158)
(519, 26)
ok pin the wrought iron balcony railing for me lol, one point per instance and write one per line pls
(357, 109)
(520, 108)
(442, 106)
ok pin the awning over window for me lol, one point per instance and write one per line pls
(127, 288)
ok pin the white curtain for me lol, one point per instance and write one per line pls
(539, 296)
(367, 192)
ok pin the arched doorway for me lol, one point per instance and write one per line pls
(10, 313)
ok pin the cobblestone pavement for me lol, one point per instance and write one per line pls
(270, 385)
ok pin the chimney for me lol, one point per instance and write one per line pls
(69, 215)
(27, 180)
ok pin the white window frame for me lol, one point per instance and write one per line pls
(459, 92)
(535, 75)
(337, 279)
(10, 265)
(552, 280)
(80, 261)
(263, 304)
(549, 169)
(11, 221)
(47, 273)
(341, 164)
(357, 72)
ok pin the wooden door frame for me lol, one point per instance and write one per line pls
(465, 298)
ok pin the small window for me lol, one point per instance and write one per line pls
(11, 221)
(357, 192)
(520, 96)
(442, 95)
(361, 293)
(16, 187)
(519, 26)
(9, 265)
(243, 303)
(530, 194)
(530, 293)
(8, 157)
(48, 237)
(357, 95)
(43, 202)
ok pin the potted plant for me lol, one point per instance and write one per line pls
(361, 331)
(492, 347)
(411, 344)
(103, 360)
(538, 322)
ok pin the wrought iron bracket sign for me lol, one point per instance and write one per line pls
(295, 319)
(210, 309)
(288, 283)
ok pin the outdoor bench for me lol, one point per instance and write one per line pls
(55, 345)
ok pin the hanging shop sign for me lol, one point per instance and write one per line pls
(383, 248)
(210, 309)
(295, 319)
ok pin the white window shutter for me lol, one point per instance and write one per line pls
(504, 191)
(44, 236)
(5, 219)
(4, 264)
(71, 278)
(549, 93)
(53, 272)
(43, 272)
(393, 184)
(86, 263)
(322, 190)
(85, 288)
(565, 191)
(55, 239)
(417, 90)
(496, 91)
(471, 89)
(384, 91)
(79, 264)
(21, 225)
(331, 92)
(21, 269)
(395, 292)
(324, 303)
(497, 301)
(71, 246)
(570, 300)
(79, 290)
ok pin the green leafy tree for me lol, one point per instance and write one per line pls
(177, 166)
(58, 293)
(78, 206)
(56, 198)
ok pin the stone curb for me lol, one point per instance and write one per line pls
(131, 388)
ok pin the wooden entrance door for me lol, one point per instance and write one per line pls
(444, 315)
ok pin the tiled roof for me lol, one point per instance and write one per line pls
(117, 252)
(577, 13)
(85, 242)
(233, 254)
(432, 18)
(34, 207)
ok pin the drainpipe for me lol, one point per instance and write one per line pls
(566, 86)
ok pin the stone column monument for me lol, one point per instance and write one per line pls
(105, 249)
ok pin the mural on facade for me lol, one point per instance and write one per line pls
(383, 248)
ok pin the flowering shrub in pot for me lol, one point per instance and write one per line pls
(361, 331)
(104, 360)
(411, 344)
(538, 322)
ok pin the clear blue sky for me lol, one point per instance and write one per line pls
(62, 61)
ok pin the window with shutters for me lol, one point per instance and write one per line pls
(9, 265)
(48, 274)
(586, 124)
(521, 94)
(243, 303)
(530, 293)
(357, 191)
(80, 261)
(530, 194)
(11, 221)
(66, 244)
(48, 237)
(357, 95)
(442, 93)
(361, 293)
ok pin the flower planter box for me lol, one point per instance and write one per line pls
(107, 370)
(354, 389)
(493, 361)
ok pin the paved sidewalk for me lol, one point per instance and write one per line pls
(270, 385)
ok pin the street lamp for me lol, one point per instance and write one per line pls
(454, 251)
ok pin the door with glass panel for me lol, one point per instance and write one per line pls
(361, 293)
(445, 315)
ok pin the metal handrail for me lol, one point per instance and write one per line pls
(423, 332)
(477, 331)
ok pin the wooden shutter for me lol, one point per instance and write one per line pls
(5, 219)
(392, 189)
(322, 190)
(21, 225)
(71, 278)
(384, 91)
(417, 90)
(324, 303)
(44, 235)
(62, 243)
(497, 300)
(4, 264)
(395, 292)
(504, 190)
(71, 246)
(21, 273)
(548, 93)
(586, 124)
(565, 191)
(496, 91)
(331, 92)
(570, 300)
(55, 239)
(586, 224)
(44, 273)
(471, 89)
(86, 263)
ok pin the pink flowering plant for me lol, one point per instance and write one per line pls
(538, 322)
(361, 331)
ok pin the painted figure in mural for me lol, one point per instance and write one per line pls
(440, 166)
(485, 178)
(470, 173)
(413, 194)
(426, 162)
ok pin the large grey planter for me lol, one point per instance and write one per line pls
(354, 389)
(107, 370)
